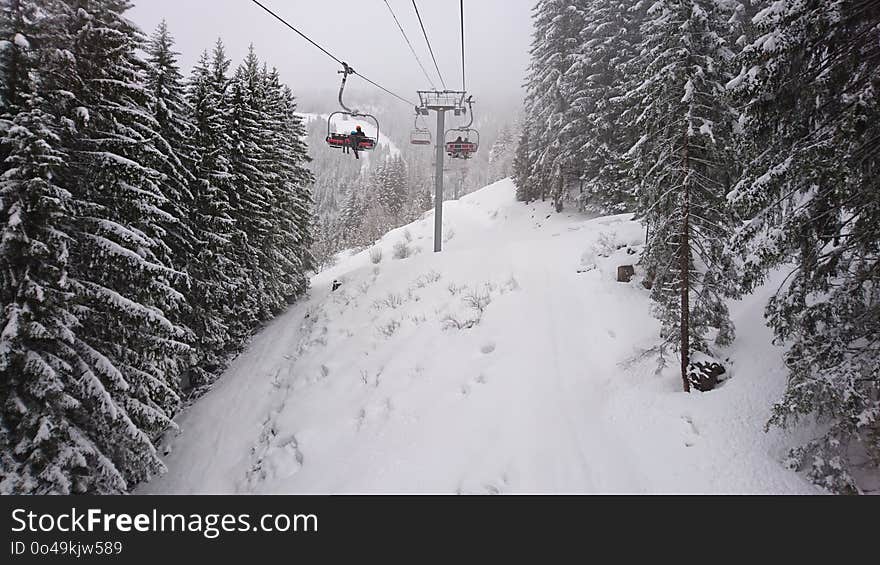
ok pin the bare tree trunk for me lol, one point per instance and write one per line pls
(685, 272)
(557, 198)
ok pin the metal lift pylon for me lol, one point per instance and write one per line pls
(440, 101)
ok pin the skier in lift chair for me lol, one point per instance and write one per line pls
(355, 139)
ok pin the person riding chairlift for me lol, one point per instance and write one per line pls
(456, 147)
(354, 140)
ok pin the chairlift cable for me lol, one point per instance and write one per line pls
(430, 49)
(411, 48)
(463, 83)
(329, 54)
(304, 36)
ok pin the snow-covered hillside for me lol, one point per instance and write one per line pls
(508, 363)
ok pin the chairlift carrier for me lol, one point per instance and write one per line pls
(338, 140)
(419, 136)
(466, 148)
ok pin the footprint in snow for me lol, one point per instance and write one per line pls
(692, 434)
(498, 486)
(283, 461)
(487, 348)
(480, 379)
(374, 412)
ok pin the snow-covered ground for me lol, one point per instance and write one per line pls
(380, 386)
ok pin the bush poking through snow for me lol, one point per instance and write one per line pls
(402, 250)
(510, 285)
(426, 279)
(376, 255)
(389, 328)
(451, 322)
(418, 319)
(392, 301)
(478, 300)
(454, 289)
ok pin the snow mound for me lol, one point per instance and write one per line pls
(506, 364)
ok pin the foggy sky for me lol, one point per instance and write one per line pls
(362, 33)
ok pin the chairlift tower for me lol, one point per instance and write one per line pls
(440, 101)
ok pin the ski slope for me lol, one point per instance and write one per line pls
(374, 388)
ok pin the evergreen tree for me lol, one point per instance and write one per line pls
(20, 24)
(173, 115)
(558, 24)
(130, 209)
(390, 188)
(251, 195)
(809, 138)
(523, 166)
(678, 100)
(214, 274)
(501, 155)
(291, 234)
(351, 217)
(596, 134)
(126, 292)
(23, 28)
(43, 445)
(94, 360)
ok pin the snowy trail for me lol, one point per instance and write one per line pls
(374, 388)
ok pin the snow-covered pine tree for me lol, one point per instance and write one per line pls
(390, 189)
(113, 181)
(173, 114)
(527, 189)
(251, 195)
(215, 277)
(678, 102)
(19, 25)
(810, 137)
(423, 202)
(379, 200)
(558, 24)
(23, 29)
(288, 258)
(47, 440)
(501, 155)
(327, 243)
(351, 216)
(595, 135)
(99, 376)
(55, 407)
(126, 292)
